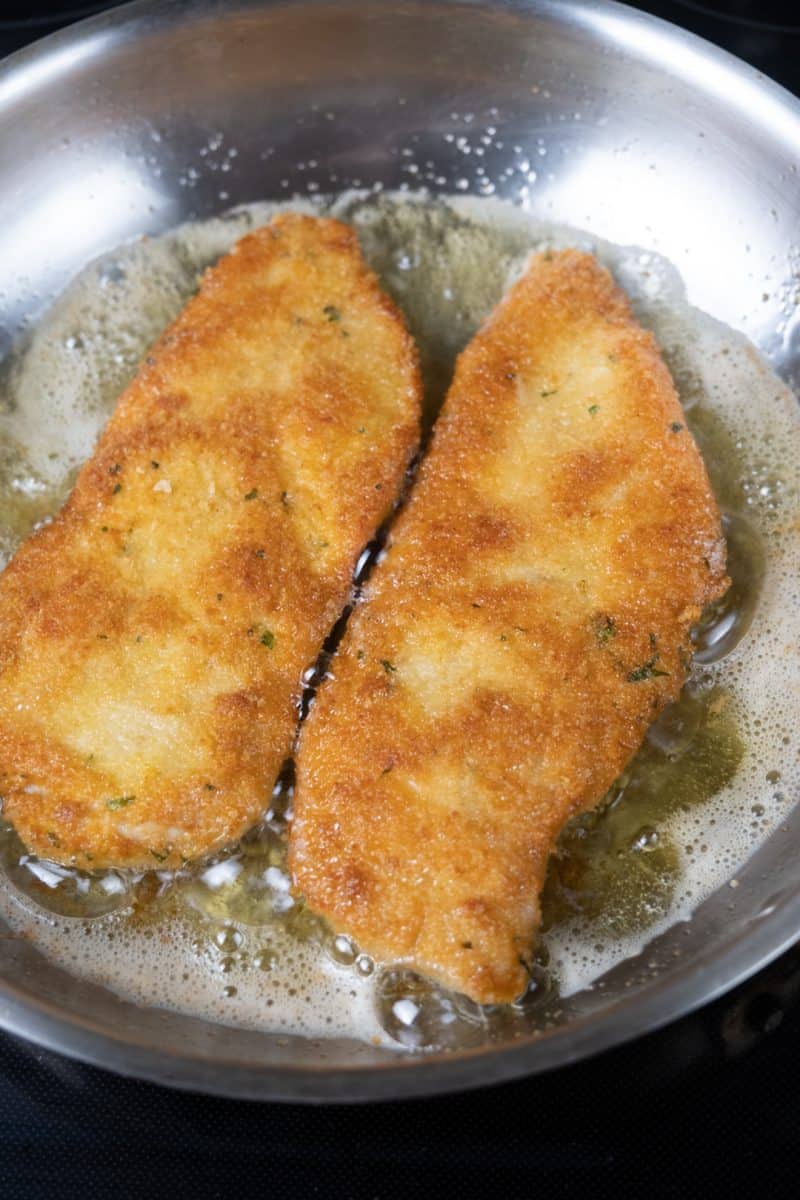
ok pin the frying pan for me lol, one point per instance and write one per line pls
(653, 137)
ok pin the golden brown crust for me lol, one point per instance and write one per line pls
(153, 637)
(529, 621)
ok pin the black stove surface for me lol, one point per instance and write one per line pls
(706, 1106)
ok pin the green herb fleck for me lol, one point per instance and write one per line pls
(251, 495)
(648, 671)
(388, 667)
(154, 464)
(120, 802)
(268, 639)
(210, 788)
(593, 408)
(676, 426)
(116, 488)
(331, 312)
(362, 429)
(158, 856)
(551, 392)
(104, 529)
(605, 629)
(260, 553)
(360, 655)
(503, 637)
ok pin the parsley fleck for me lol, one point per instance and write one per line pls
(331, 312)
(158, 856)
(593, 408)
(154, 464)
(260, 553)
(388, 667)
(251, 495)
(360, 655)
(104, 529)
(362, 429)
(268, 639)
(210, 788)
(676, 426)
(503, 637)
(546, 393)
(648, 671)
(120, 802)
(605, 629)
(116, 488)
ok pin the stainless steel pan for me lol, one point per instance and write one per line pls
(653, 137)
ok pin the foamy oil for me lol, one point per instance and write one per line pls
(225, 939)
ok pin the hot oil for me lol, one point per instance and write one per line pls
(617, 868)
(225, 939)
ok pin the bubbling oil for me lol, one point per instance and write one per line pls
(225, 939)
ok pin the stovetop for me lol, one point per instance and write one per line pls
(701, 1105)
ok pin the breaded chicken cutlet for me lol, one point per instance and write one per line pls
(529, 621)
(153, 637)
